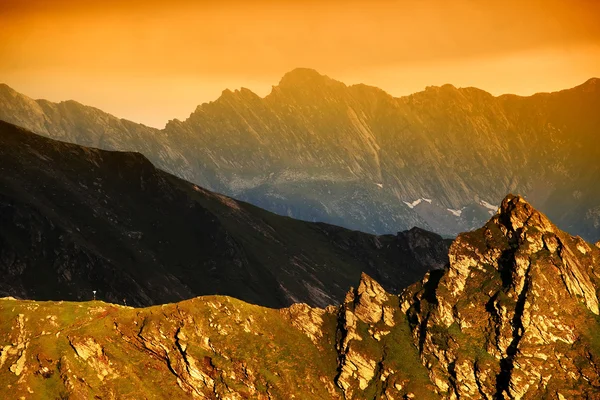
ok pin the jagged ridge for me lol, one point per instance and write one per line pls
(318, 150)
(514, 316)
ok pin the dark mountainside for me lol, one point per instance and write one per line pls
(318, 150)
(514, 316)
(75, 219)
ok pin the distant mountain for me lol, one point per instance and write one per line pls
(514, 316)
(318, 150)
(75, 219)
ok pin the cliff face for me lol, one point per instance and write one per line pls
(75, 219)
(514, 316)
(319, 150)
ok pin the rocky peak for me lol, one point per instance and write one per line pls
(516, 214)
(368, 303)
(4, 88)
(591, 84)
(240, 94)
(300, 76)
(532, 236)
(366, 306)
(306, 82)
(521, 291)
(369, 300)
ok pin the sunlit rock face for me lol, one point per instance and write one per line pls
(516, 313)
(316, 149)
(212, 347)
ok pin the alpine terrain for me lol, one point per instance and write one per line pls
(513, 316)
(75, 220)
(318, 150)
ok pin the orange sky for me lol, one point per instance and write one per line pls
(151, 61)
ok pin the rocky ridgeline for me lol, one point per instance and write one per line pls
(513, 316)
(318, 150)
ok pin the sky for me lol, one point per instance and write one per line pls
(152, 61)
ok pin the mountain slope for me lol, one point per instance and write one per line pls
(75, 219)
(515, 316)
(319, 150)
(206, 348)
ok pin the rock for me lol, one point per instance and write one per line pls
(307, 319)
(516, 290)
(369, 302)
(86, 348)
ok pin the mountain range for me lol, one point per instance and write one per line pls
(513, 316)
(507, 311)
(318, 150)
(75, 220)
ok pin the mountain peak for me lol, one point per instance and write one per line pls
(304, 76)
(521, 292)
(6, 89)
(515, 213)
(591, 85)
(517, 239)
(367, 300)
(370, 287)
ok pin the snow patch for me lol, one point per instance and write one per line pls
(416, 202)
(456, 213)
(413, 204)
(489, 206)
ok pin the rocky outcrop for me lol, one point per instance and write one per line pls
(307, 319)
(369, 322)
(90, 351)
(365, 305)
(514, 315)
(18, 348)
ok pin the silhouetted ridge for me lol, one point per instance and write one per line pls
(76, 219)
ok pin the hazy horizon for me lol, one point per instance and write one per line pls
(150, 62)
